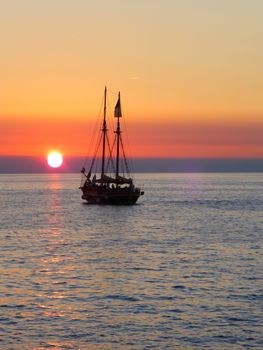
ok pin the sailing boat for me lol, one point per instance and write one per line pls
(114, 184)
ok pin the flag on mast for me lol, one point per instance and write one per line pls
(117, 111)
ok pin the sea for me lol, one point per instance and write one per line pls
(181, 269)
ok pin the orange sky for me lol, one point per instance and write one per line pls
(198, 139)
(190, 73)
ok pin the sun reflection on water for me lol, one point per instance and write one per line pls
(55, 262)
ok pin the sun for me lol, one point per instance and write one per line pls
(55, 159)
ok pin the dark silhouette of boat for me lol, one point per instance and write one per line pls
(112, 184)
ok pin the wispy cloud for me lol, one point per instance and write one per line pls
(134, 78)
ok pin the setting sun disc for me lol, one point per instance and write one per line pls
(55, 159)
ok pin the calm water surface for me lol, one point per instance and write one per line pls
(182, 269)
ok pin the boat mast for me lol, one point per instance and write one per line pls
(118, 133)
(104, 131)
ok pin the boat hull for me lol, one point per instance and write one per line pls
(100, 195)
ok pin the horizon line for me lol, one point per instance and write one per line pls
(31, 164)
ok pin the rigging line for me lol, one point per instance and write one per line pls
(113, 145)
(110, 126)
(90, 158)
(97, 144)
(95, 159)
(111, 108)
(109, 160)
(124, 158)
(95, 128)
(130, 155)
(124, 161)
(96, 149)
(111, 154)
(128, 164)
(96, 168)
(107, 168)
(110, 117)
(95, 153)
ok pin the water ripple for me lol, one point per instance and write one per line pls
(181, 270)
